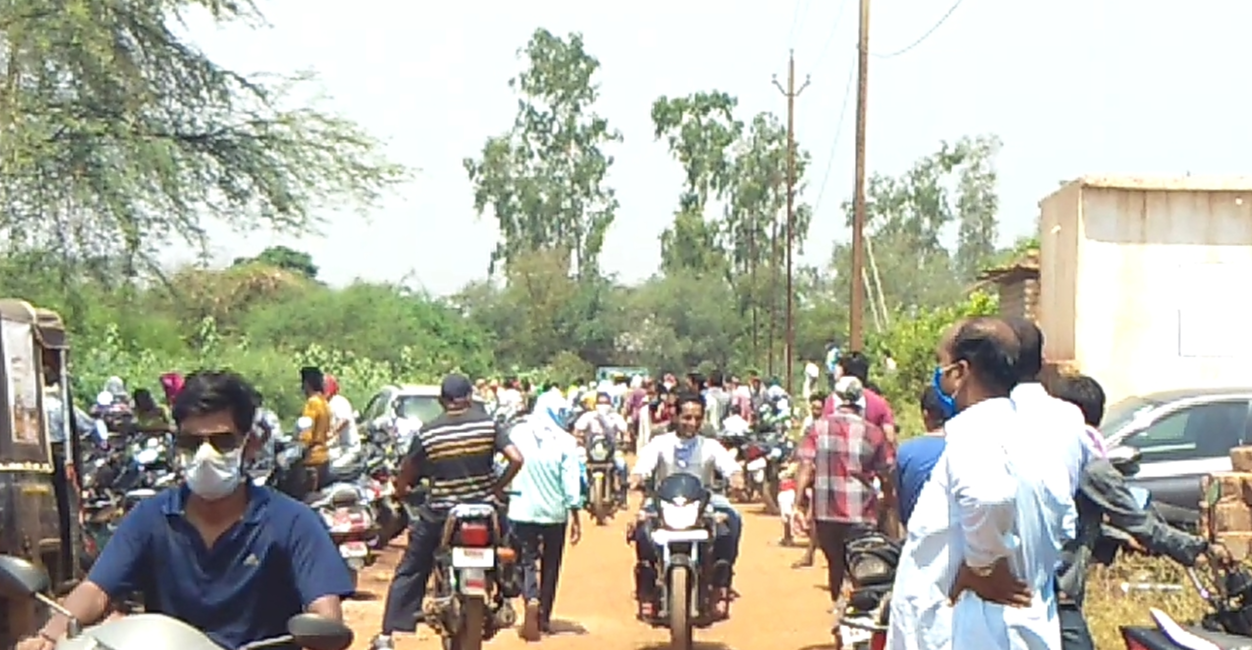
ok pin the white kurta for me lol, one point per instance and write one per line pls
(988, 497)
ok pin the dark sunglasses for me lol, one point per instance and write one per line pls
(222, 441)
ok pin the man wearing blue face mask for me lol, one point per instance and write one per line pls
(232, 560)
(985, 536)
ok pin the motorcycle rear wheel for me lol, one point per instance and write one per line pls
(469, 636)
(599, 502)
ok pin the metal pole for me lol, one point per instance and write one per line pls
(791, 93)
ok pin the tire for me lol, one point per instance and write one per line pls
(680, 609)
(470, 635)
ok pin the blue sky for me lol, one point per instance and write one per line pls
(1071, 86)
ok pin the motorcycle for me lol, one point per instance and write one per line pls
(20, 579)
(473, 564)
(682, 526)
(871, 562)
(1228, 625)
(602, 478)
(764, 456)
(345, 510)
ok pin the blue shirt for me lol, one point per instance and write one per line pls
(265, 569)
(914, 460)
(549, 485)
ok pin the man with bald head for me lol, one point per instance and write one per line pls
(984, 540)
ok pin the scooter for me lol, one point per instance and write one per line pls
(21, 579)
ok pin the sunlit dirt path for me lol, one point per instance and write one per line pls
(780, 608)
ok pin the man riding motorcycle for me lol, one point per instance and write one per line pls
(611, 423)
(685, 451)
(233, 560)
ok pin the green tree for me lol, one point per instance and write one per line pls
(544, 179)
(699, 131)
(908, 266)
(282, 257)
(117, 135)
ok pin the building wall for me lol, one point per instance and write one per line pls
(1143, 282)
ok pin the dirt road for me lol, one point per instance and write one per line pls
(780, 608)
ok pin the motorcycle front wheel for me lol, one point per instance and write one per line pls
(680, 610)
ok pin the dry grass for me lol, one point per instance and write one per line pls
(1108, 608)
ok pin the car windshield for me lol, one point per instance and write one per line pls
(418, 407)
(1117, 416)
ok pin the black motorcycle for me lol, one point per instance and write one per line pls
(871, 562)
(689, 580)
(602, 478)
(1228, 625)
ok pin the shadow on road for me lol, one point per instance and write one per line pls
(364, 596)
(562, 627)
(820, 646)
(698, 645)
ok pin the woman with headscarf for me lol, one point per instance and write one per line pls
(547, 495)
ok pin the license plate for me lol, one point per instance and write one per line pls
(473, 558)
(663, 537)
(757, 465)
(852, 636)
(354, 549)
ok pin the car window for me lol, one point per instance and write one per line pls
(374, 408)
(418, 407)
(1201, 431)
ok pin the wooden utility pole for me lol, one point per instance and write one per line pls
(855, 319)
(791, 93)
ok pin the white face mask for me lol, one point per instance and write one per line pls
(210, 474)
(604, 409)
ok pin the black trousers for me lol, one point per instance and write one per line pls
(408, 585)
(1075, 635)
(540, 550)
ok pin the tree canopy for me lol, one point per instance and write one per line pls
(118, 137)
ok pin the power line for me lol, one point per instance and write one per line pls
(924, 36)
(802, 7)
(830, 38)
(834, 145)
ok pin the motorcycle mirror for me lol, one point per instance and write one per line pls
(21, 579)
(315, 632)
(1125, 459)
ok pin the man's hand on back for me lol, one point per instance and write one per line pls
(998, 586)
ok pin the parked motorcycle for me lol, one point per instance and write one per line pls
(1227, 626)
(683, 526)
(871, 562)
(345, 509)
(472, 566)
(20, 579)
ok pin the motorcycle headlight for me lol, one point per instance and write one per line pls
(599, 451)
(680, 517)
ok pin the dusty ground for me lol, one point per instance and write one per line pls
(780, 608)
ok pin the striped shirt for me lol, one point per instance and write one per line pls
(456, 452)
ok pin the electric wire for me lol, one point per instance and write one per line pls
(834, 145)
(830, 38)
(921, 39)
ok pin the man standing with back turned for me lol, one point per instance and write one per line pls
(983, 542)
(456, 451)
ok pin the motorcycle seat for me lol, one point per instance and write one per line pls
(472, 510)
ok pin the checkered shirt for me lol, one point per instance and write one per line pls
(847, 453)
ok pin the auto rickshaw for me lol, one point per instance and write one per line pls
(38, 504)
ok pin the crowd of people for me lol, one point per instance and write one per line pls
(998, 503)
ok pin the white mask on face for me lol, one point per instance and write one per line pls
(210, 474)
(604, 409)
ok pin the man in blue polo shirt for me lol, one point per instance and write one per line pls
(231, 559)
(916, 457)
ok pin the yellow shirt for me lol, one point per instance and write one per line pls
(318, 410)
